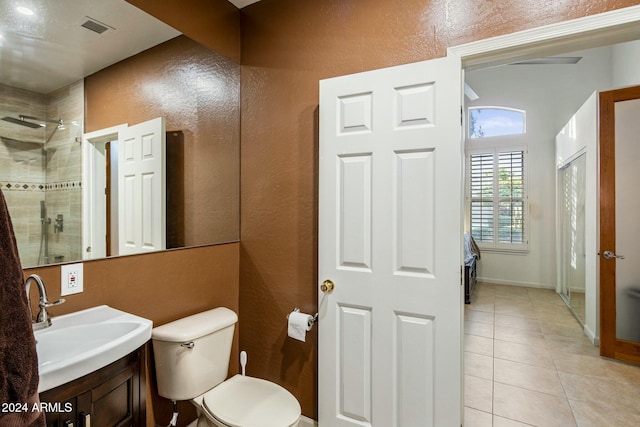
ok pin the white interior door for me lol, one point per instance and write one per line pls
(390, 203)
(141, 188)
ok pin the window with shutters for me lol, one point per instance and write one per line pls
(497, 198)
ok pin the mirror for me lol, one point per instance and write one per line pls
(572, 193)
(193, 88)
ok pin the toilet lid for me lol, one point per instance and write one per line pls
(252, 402)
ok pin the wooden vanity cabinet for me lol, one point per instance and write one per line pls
(109, 397)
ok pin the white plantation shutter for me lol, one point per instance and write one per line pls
(482, 191)
(497, 198)
(511, 197)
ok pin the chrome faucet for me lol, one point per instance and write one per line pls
(43, 320)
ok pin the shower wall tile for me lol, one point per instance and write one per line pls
(64, 154)
(25, 216)
(65, 245)
(43, 164)
(21, 167)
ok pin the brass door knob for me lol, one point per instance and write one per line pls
(327, 286)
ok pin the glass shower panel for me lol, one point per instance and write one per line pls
(573, 188)
(627, 159)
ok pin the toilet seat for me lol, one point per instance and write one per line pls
(244, 401)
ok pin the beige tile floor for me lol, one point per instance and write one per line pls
(577, 303)
(528, 363)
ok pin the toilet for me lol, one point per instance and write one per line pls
(192, 358)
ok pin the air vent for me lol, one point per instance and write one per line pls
(95, 26)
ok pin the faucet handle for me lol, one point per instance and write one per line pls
(47, 304)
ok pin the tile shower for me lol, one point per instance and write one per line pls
(43, 164)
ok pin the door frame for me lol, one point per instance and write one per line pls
(602, 29)
(94, 175)
(592, 31)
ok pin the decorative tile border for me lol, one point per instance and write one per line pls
(21, 186)
(37, 186)
(65, 185)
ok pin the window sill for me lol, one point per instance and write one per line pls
(503, 251)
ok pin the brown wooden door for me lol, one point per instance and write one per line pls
(620, 224)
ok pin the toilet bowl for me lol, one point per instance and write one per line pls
(192, 358)
(243, 401)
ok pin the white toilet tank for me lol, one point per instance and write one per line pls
(192, 354)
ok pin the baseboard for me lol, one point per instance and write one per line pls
(307, 422)
(516, 283)
(591, 335)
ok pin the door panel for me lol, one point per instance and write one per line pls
(619, 231)
(354, 224)
(414, 362)
(390, 239)
(414, 191)
(355, 363)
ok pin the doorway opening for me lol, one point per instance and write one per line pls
(531, 339)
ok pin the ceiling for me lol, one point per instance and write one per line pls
(50, 49)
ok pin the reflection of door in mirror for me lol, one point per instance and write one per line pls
(125, 190)
(619, 225)
(142, 188)
(572, 239)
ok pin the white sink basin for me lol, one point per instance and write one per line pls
(79, 343)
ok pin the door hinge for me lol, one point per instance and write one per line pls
(461, 273)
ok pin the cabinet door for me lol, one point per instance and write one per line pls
(67, 418)
(109, 397)
(112, 403)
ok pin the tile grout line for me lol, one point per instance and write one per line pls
(493, 364)
(544, 344)
(564, 390)
(573, 415)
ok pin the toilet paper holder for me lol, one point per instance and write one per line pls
(313, 320)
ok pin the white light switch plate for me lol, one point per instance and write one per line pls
(71, 279)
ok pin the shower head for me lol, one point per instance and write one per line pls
(22, 122)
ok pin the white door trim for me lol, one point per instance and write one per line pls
(93, 185)
(611, 27)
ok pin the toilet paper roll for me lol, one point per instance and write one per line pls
(299, 324)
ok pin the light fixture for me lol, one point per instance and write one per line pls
(470, 93)
(24, 10)
(550, 60)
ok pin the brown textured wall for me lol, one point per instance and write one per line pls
(163, 287)
(198, 92)
(214, 23)
(287, 47)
